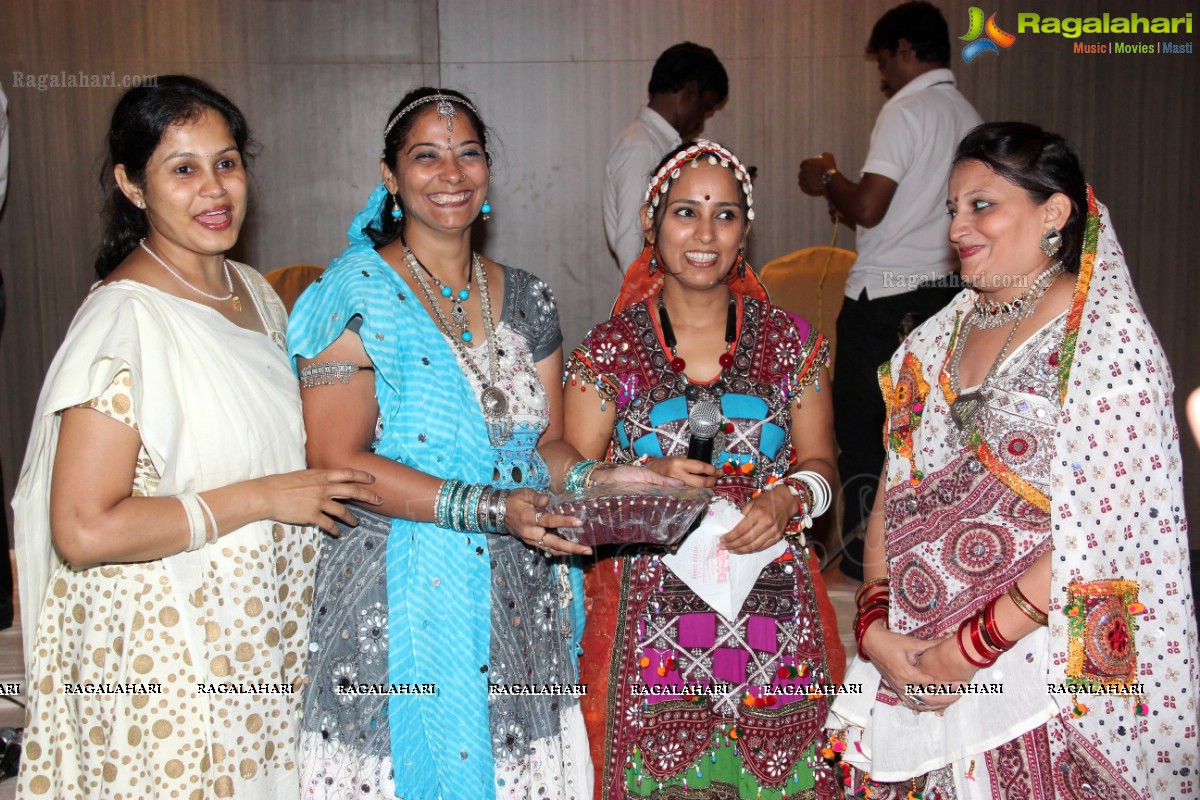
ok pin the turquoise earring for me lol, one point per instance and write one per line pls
(397, 211)
(486, 210)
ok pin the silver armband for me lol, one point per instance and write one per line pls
(327, 373)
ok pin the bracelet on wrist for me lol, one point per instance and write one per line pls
(470, 508)
(992, 630)
(865, 619)
(579, 475)
(874, 585)
(962, 648)
(1027, 608)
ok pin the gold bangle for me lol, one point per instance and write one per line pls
(1027, 608)
(862, 590)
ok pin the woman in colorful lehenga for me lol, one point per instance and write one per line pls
(1027, 563)
(693, 325)
(441, 370)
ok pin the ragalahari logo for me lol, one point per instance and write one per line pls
(995, 37)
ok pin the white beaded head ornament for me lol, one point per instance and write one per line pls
(445, 108)
(716, 154)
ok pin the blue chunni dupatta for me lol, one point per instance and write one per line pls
(438, 581)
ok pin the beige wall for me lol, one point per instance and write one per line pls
(556, 81)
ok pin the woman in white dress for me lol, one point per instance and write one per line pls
(164, 517)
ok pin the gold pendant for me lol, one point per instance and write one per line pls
(965, 407)
(237, 303)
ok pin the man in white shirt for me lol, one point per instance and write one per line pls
(905, 267)
(687, 83)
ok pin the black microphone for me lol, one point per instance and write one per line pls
(704, 420)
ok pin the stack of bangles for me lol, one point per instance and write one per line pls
(470, 507)
(579, 476)
(873, 601)
(812, 494)
(987, 643)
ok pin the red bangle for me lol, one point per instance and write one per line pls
(872, 595)
(963, 649)
(992, 630)
(975, 629)
(863, 621)
(874, 603)
(875, 584)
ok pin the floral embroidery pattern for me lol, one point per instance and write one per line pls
(906, 404)
(1101, 631)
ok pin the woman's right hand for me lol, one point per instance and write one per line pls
(898, 658)
(311, 496)
(692, 472)
(525, 518)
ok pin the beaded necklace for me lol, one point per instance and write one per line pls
(237, 303)
(458, 313)
(492, 398)
(715, 390)
(678, 365)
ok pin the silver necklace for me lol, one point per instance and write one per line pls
(458, 313)
(492, 399)
(991, 314)
(967, 405)
(237, 303)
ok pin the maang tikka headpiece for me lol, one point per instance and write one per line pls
(717, 155)
(445, 108)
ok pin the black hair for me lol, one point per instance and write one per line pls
(685, 62)
(921, 24)
(389, 229)
(1041, 163)
(141, 117)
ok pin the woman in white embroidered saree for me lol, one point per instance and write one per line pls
(1026, 629)
(163, 513)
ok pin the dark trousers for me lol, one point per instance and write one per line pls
(868, 333)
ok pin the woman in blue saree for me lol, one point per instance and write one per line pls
(442, 369)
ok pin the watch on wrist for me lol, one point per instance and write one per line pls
(827, 176)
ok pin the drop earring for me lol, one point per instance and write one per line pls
(741, 263)
(397, 211)
(486, 210)
(653, 268)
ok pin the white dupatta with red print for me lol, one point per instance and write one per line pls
(1121, 610)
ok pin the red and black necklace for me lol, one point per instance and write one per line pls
(678, 365)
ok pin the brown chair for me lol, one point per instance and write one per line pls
(811, 283)
(290, 282)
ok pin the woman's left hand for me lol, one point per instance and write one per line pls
(765, 518)
(629, 473)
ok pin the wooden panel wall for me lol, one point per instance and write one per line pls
(556, 80)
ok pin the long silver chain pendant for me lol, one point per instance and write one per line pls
(495, 414)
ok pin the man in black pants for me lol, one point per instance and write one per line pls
(904, 269)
